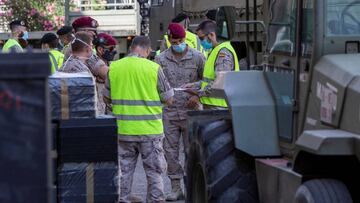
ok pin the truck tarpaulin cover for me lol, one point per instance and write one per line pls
(88, 182)
(72, 95)
(204, 5)
(24, 128)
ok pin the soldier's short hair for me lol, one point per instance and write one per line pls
(81, 42)
(143, 42)
(207, 27)
(51, 39)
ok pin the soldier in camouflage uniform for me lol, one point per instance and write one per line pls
(181, 65)
(81, 51)
(148, 145)
(225, 59)
(105, 46)
(77, 62)
(98, 67)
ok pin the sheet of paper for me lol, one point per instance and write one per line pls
(180, 89)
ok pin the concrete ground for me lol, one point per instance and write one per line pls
(139, 184)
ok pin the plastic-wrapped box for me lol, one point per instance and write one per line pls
(88, 160)
(72, 95)
(25, 162)
(88, 182)
(88, 140)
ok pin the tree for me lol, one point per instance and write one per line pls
(39, 15)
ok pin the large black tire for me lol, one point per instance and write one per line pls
(216, 173)
(323, 191)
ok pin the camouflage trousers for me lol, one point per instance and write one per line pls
(154, 163)
(174, 130)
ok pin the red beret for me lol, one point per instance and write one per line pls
(85, 21)
(176, 31)
(105, 39)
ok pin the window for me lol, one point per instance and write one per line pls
(282, 26)
(308, 23)
(343, 17)
(157, 2)
(222, 30)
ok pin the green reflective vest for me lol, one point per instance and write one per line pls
(56, 59)
(9, 44)
(209, 74)
(135, 100)
(191, 40)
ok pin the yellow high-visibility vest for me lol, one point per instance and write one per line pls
(9, 44)
(56, 59)
(209, 74)
(135, 99)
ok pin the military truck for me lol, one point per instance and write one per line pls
(245, 41)
(121, 19)
(292, 130)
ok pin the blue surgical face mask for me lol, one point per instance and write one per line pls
(206, 44)
(179, 48)
(25, 35)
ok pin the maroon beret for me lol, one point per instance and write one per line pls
(176, 31)
(85, 21)
(105, 39)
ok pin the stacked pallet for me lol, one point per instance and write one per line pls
(87, 161)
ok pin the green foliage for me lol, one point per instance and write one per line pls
(39, 15)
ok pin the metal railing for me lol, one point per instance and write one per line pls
(88, 5)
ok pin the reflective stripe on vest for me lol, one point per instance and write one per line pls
(136, 101)
(209, 74)
(9, 44)
(56, 59)
(191, 39)
(65, 48)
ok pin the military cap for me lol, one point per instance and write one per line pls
(211, 14)
(17, 23)
(105, 39)
(176, 31)
(65, 30)
(85, 21)
(48, 38)
(179, 18)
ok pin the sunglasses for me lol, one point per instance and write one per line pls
(109, 48)
(203, 37)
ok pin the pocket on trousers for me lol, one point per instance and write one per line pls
(159, 158)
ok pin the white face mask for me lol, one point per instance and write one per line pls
(90, 53)
(84, 58)
(77, 39)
